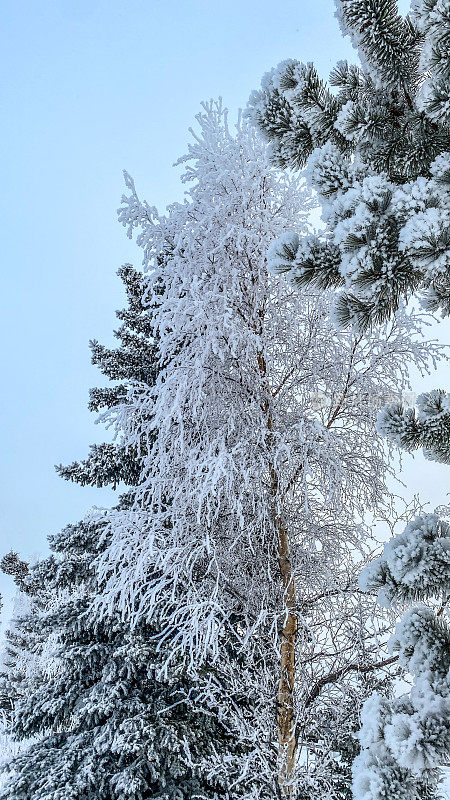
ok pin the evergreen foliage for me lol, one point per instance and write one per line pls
(377, 146)
(106, 722)
(428, 427)
(134, 359)
(406, 741)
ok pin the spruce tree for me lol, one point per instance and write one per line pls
(97, 715)
(19, 649)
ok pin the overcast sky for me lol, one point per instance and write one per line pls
(91, 88)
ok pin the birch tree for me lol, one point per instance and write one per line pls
(258, 445)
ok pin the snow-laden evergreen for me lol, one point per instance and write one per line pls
(414, 564)
(259, 454)
(409, 738)
(378, 154)
(20, 661)
(427, 427)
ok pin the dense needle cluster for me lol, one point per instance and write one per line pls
(427, 427)
(409, 737)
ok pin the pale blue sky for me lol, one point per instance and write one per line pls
(92, 87)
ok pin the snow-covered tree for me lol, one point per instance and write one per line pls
(259, 454)
(90, 711)
(407, 740)
(16, 654)
(378, 155)
(134, 359)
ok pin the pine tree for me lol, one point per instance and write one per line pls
(260, 430)
(378, 155)
(406, 741)
(377, 151)
(86, 696)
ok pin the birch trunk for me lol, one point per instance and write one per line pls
(287, 745)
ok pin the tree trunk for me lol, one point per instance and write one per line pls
(287, 745)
